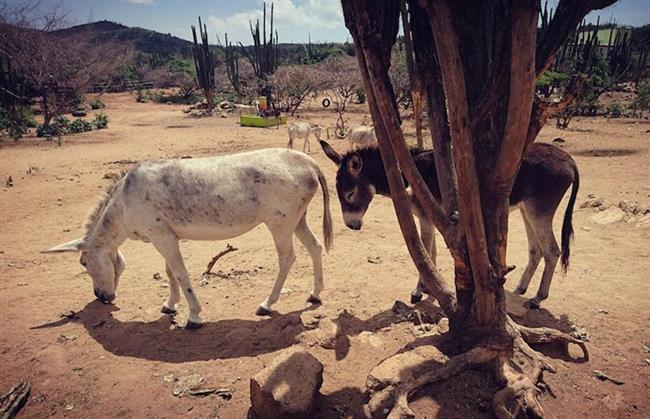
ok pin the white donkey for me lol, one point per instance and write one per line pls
(299, 130)
(361, 136)
(214, 198)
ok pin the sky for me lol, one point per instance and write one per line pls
(295, 20)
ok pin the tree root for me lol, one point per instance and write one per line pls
(517, 366)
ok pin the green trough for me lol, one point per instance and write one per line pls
(260, 121)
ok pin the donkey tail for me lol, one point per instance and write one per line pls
(327, 216)
(567, 227)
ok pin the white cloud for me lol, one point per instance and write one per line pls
(291, 17)
(147, 2)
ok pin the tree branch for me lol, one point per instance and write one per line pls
(363, 17)
(471, 215)
(542, 111)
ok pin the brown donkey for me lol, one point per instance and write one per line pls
(545, 175)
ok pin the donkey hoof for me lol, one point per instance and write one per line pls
(314, 300)
(416, 298)
(190, 325)
(167, 310)
(262, 311)
(520, 291)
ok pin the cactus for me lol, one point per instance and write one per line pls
(263, 55)
(204, 61)
(232, 65)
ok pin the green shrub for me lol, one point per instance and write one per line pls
(141, 96)
(59, 125)
(15, 126)
(79, 125)
(100, 121)
(642, 101)
(550, 77)
(97, 104)
(615, 110)
(47, 131)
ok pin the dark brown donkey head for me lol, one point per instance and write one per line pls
(359, 177)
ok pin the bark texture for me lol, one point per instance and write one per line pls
(477, 62)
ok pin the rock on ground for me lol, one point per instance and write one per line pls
(400, 368)
(288, 387)
(609, 216)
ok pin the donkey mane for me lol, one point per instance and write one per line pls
(96, 212)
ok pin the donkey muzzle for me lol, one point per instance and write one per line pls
(105, 298)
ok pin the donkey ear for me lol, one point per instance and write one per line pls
(355, 163)
(330, 152)
(71, 246)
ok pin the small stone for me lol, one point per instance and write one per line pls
(184, 385)
(157, 276)
(603, 311)
(368, 338)
(66, 337)
(111, 175)
(288, 387)
(374, 259)
(558, 140)
(69, 406)
(325, 335)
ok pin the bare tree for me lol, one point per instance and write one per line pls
(57, 67)
(341, 78)
(478, 61)
(290, 85)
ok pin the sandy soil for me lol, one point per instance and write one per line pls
(120, 360)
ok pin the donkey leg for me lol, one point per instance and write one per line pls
(168, 248)
(428, 237)
(551, 252)
(534, 256)
(315, 249)
(174, 294)
(290, 143)
(284, 245)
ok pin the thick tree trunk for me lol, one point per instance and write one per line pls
(478, 68)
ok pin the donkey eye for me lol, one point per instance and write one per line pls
(350, 196)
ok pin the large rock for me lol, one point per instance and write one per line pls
(288, 387)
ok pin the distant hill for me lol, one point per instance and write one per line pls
(156, 43)
(143, 40)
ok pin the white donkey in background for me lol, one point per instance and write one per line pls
(361, 136)
(299, 130)
(215, 198)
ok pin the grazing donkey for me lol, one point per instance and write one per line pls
(298, 130)
(214, 198)
(545, 175)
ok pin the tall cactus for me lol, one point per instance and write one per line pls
(263, 55)
(232, 65)
(205, 62)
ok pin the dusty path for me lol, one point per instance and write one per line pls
(118, 361)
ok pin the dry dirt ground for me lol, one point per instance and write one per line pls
(122, 360)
